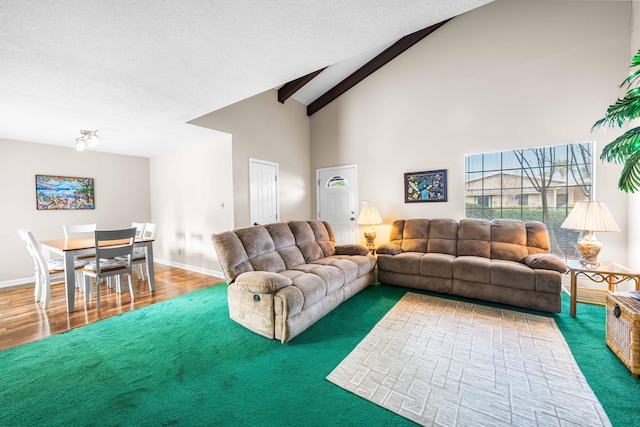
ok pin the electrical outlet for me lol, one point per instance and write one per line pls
(179, 251)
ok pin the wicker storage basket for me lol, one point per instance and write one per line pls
(623, 330)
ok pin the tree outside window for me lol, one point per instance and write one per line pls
(533, 184)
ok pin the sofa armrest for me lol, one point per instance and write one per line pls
(262, 282)
(351, 250)
(546, 262)
(389, 248)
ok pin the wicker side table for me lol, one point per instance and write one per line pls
(623, 330)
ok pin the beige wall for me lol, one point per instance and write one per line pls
(511, 74)
(121, 196)
(262, 128)
(192, 198)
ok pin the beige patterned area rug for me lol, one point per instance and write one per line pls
(441, 362)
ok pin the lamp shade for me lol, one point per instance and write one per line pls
(369, 215)
(590, 216)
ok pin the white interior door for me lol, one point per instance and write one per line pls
(263, 191)
(337, 195)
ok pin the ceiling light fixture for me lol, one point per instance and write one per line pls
(89, 139)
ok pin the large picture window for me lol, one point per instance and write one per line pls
(533, 184)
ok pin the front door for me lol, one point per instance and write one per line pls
(263, 191)
(337, 195)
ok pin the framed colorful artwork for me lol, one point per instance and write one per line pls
(427, 186)
(63, 192)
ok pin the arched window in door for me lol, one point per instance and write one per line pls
(336, 181)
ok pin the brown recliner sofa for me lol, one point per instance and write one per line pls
(502, 261)
(283, 277)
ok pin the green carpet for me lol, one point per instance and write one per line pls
(184, 362)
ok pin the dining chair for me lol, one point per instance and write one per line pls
(139, 226)
(110, 261)
(77, 231)
(82, 230)
(47, 271)
(149, 230)
(139, 252)
(140, 255)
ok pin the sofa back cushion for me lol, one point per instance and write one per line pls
(410, 234)
(424, 235)
(474, 236)
(504, 239)
(231, 254)
(274, 247)
(314, 239)
(537, 238)
(260, 249)
(508, 240)
(285, 244)
(443, 236)
(324, 237)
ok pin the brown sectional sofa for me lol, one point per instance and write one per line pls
(503, 261)
(283, 277)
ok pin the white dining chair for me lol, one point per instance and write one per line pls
(149, 230)
(139, 226)
(47, 271)
(139, 252)
(110, 261)
(75, 231)
(140, 255)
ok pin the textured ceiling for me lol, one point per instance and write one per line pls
(139, 70)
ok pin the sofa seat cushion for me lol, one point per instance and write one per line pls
(348, 268)
(437, 265)
(332, 277)
(313, 288)
(365, 264)
(472, 269)
(407, 262)
(512, 274)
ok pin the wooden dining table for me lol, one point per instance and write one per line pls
(70, 248)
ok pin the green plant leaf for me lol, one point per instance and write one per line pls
(632, 79)
(626, 148)
(621, 149)
(630, 175)
(625, 109)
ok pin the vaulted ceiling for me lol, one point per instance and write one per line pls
(138, 71)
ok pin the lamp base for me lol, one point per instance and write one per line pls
(589, 248)
(370, 235)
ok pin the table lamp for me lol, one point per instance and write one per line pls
(589, 217)
(370, 216)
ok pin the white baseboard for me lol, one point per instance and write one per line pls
(214, 273)
(16, 282)
(201, 270)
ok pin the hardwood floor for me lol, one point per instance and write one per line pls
(22, 320)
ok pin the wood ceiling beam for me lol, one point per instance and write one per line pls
(288, 89)
(370, 67)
